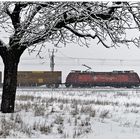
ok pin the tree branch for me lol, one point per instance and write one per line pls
(136, 19)
(80, 34)
(100, 40)
(15, 16)
(86, 35)
(28, 20)
(64, 22)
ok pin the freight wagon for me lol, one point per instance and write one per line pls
(38, 78)
(113, 79)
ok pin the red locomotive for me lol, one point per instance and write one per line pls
(113, 79)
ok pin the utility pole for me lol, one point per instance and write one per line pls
(51, 55)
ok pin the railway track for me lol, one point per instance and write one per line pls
(37, 89)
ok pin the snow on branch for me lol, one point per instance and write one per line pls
(39, 22)
(79, 34)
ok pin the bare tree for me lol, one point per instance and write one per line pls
(34, 23)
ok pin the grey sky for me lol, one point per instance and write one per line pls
(66, 64)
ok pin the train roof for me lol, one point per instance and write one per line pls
(114, 71)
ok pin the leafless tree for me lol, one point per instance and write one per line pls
(34, 23)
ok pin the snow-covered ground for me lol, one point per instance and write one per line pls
(73, 114)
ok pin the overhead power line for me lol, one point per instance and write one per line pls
(63, 60)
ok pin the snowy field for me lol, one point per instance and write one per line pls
(80, 113)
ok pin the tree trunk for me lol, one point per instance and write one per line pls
(10, 83)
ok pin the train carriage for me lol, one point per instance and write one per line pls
(38, 78)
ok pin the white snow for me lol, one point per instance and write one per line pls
(73, 113)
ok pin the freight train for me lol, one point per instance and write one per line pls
(77, 79)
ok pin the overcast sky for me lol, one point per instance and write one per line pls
(64, 63)
(66, 59)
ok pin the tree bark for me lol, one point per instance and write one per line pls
(10, 82)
